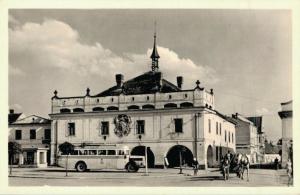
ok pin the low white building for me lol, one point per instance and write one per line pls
(33, 134)
(146, 111)
(247, 138)
(286, 115)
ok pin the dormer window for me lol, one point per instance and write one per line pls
(112, 99)
(148, 98)
(132, 99)
(170, 97)
(97, 100)
(185, 95)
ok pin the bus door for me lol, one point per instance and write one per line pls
(102, 160)
(111, 159)
(122, 159)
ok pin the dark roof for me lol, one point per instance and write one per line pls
(12, 117)
(257, 120)
(149, 82)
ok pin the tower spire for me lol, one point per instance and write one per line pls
(154, 55)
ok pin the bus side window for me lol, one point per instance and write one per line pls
(92, 152)
(75, 152)
(111, 152)
(85, 152)
(101, 152)
(121, 152)
(80, 152)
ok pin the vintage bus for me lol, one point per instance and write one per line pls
(102, 157)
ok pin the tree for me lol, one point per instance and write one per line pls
(66, 148)
(13, 148)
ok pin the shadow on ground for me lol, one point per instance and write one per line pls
(206, 178)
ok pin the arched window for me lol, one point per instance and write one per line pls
(186, 105)
(98, 109)
(133, 107)
(111, 108)
(148, 107)
(170, 105)
(65, 110)
(78, 110)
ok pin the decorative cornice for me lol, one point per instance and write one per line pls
(285, 114)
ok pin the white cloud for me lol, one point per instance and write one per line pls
(262, 111)
(56, 44)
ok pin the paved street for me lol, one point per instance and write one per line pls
(157, 177)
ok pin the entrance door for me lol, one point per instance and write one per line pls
(210, 156)
(30, 158)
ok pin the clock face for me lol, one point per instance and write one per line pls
(122, 125)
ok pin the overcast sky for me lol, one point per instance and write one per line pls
(245, 55)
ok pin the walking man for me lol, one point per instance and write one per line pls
(195, 165)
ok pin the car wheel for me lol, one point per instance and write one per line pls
(81, 167)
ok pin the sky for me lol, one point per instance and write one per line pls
(244, 55)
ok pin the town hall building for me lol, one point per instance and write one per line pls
(146, 111)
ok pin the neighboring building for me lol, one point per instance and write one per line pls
(258, 122)
(146, 111)
(33, 133)
(286, 115)
(247, 138)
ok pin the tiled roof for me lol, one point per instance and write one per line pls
(33, 119)
(149, 82)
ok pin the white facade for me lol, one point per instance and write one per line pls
(247, 138)
(286, 115)
(31, 137)
(159, 133)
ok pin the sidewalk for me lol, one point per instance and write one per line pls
(59, 173)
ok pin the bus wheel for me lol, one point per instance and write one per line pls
(81, 166)
(131, 167)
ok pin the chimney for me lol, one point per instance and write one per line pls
(179, 81)
(11, 111)
(119, 80)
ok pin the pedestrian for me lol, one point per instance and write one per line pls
(276, 163)
(195, 165)
(289, 170)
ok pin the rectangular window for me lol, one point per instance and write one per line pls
(220, 128)
(217, 153)
(140, 127)
(104, 128)
(71, 129)
(101, 152)
(111, 152)
(232, 138)
(217, 128)
(18, 134)
(229, 137)
(225, 136)
(47, 134)
(178, 125)
(209, 125)
(32, 134)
